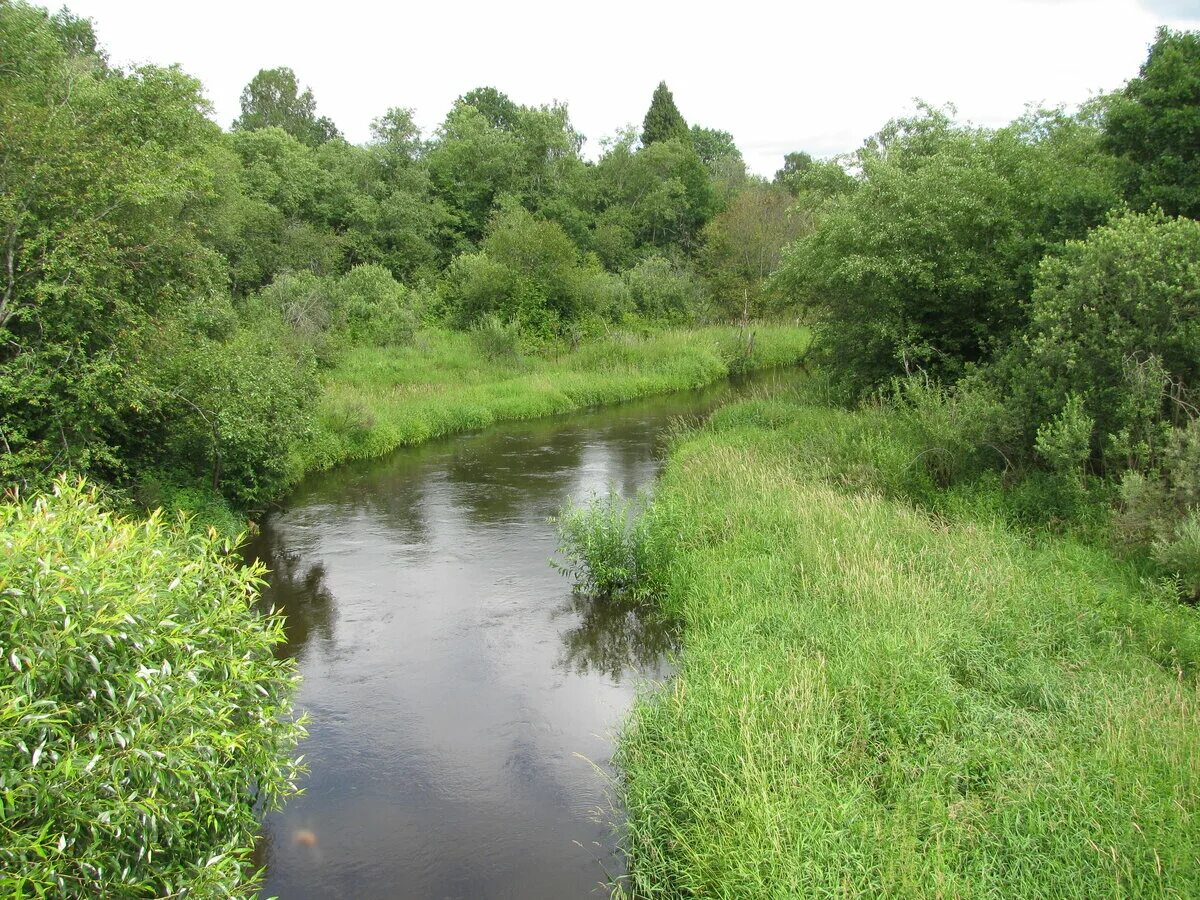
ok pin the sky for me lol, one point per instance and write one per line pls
(780, 76)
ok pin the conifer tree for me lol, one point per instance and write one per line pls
(663, 120)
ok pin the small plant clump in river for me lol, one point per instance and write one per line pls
(601, 545)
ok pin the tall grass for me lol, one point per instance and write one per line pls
(874, 699)
(600, 545)
(377, 399)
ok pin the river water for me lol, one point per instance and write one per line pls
(462, 701)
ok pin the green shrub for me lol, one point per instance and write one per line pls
(600, 542)
(373, 307)
(498, 340)
(527, 270)
(960, 430)
(144, 721)
(666, 291)
(1113, 320)
(1180, 554)
(366, 305)
(231, 412)
(1159, 509)
(929, 261)
(1065, 442)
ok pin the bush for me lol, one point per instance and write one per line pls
(600, 543)
(373, 307)
(1160, 509)
(229, 412)
(960, 430)
(1064, 442)
(366, 305)
(666, 291)
(498, 340)
(1179, 554)
(1113, 320)
(144, 720)
(525, 271)
(929, 261)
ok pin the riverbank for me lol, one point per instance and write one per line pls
(877, 699)
(377, 399)
(447, 382)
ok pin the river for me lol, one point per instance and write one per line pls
(462, 701)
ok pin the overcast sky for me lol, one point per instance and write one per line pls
(779, 75)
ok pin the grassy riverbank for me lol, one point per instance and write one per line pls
(877, 699)
(378, 399)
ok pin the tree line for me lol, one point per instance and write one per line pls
(172, 291)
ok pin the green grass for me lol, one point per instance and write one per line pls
(883, 699)
(377, 399)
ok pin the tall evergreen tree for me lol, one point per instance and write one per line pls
(663, 120)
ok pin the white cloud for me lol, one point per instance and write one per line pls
(799, 76)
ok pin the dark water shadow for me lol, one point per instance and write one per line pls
(615, 637)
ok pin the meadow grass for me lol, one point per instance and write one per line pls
(377, 399)
(879, 698)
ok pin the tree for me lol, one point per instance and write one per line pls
(663, 121)
(472, 164)
(929, 260)
(713, 145)
(1116, 320)
(104, 210)
(744, 243)
(660, 195)
(495, 105)
(397, 137)
(1153, 126)
(795, 164)
(273, 99)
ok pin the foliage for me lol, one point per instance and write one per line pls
(228, 410)
(1114, 320)
(273, 99)
(104, 191)
(660, 195)
(794, 164)
(1153, 126)
(364, 306)
(927, 262)
(527, 270)
(1179, 554)
(496, 106)
(498, 340)
(743, 245)
(144, 721)
(599, 542)
(663, 121)
(1065, 442)
(713, 145)
(1156, 505)
(958, 431)
(666, 291)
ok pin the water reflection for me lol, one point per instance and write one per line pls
(298, 588)
(460, 697)
(614, 637)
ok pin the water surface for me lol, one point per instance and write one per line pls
(462, 701)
